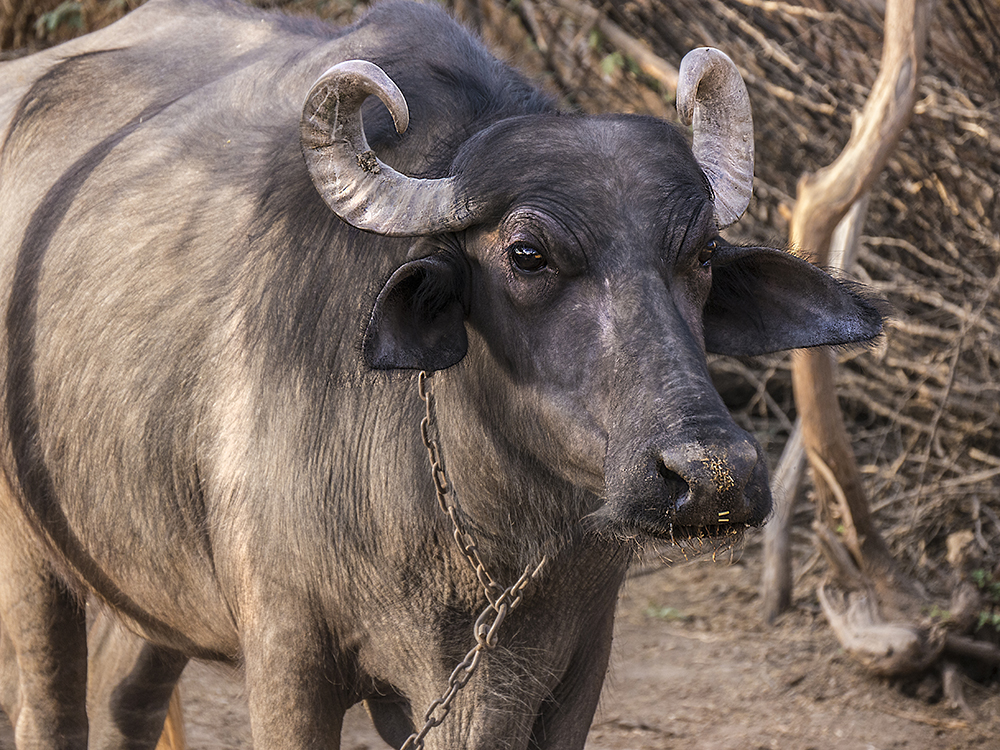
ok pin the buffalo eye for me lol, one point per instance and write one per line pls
(705, 256)
(526, 259)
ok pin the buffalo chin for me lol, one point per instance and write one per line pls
(640, 522)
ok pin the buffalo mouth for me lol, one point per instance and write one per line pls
(640, 521)
(638, 529)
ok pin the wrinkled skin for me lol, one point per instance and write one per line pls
(210, 414)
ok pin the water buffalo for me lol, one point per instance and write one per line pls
(217, 303)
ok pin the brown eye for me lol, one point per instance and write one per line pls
(526, 259)
(705, 256)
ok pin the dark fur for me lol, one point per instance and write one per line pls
(193, 431)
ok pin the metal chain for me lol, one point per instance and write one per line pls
(501, 600)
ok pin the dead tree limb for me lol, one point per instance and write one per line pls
(173, 736)
(860, 560)
(776, 579)
(824, 199)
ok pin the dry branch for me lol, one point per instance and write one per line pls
(824, 198)
(852, 608)
(883, 648)
(776, 582)
(650, 63)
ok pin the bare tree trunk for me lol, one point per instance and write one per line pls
(824, 199)
(776, 579)
(860, 559)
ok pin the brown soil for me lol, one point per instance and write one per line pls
(694, 667)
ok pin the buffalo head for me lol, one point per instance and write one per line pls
(577, 261)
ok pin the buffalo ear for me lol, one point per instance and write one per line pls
(419, 317)
(765, 300)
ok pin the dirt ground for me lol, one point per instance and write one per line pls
(695, 668)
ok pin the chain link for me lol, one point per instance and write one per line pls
(501, 600)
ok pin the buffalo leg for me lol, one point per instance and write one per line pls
(391, 717)
(8, 676)
(296, 699)
(129, 686)
(564, 719)
(45, 630)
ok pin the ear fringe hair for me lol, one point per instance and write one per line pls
(865, 294)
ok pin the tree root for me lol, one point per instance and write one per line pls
(883, 648)
(851, 606)
(909, 641)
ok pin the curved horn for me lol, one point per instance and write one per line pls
(360, 189)
(711, 95)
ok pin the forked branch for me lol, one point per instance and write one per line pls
(824, 199)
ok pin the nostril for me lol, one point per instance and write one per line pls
(675, 484)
